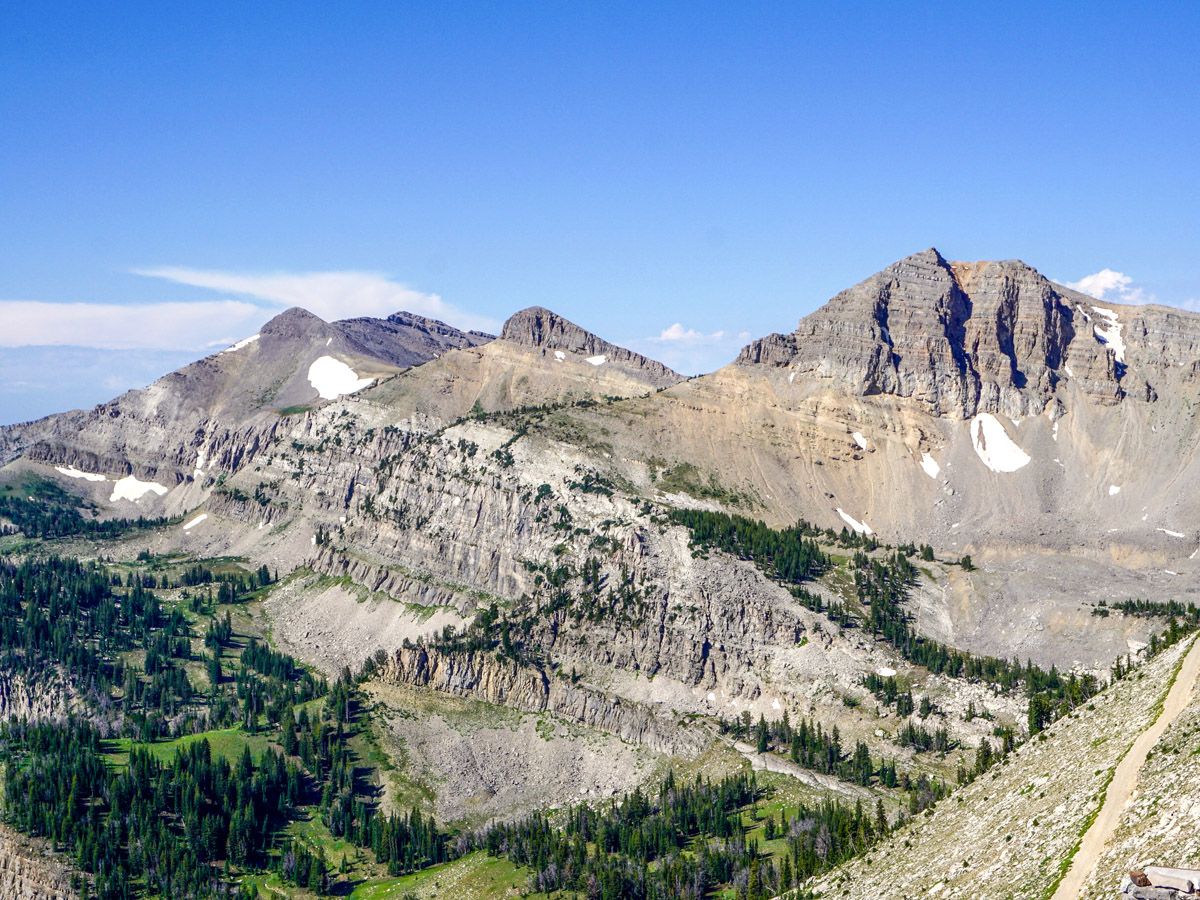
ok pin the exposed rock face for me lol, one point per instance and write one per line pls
(547, 332)
(46, 695)
(29, 872)
(406, 339)
(486, 677)
(993, 337)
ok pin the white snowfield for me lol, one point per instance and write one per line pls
(1109, 332)
(859, 527)
(559, 355)
(130, 488)
(1170, 533)
(860, 440)
(332, 378)
(930, 466)
(885, 672)
(244, 342)
(196, 521)
(72, 472)
(993, 445)
(598, 360)
(1113, 490)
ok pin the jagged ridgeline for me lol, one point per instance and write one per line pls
(402, 606)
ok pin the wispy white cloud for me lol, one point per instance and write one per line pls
(330, 295)
(1117, 287)
(37, 381)
(1109, 284)
(690, 351)
(677, 334)
(114, 326)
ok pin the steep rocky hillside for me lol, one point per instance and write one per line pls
(29, 872)
(1011, 829)
(1159, 826)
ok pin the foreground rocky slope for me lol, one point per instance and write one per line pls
(1008, 833)
(1159, 826)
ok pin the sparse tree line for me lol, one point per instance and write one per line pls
(882, 583)
(47, 511)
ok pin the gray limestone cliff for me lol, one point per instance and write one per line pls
(982, 337)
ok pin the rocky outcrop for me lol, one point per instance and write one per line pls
(547, 332)
(489, 678)
(406, 339)
(36, 697)
(977, 337)
(28, 871)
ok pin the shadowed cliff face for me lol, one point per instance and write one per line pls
(996, 337)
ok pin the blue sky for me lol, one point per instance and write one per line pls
(722, 168)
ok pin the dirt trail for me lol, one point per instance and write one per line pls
(1125, 779)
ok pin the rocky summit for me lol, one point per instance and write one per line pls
(901, 603)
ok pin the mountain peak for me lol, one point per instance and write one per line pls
(293, 322)
(546, 331)
(963, 337)
(536, 326)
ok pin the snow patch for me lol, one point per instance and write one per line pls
(130, 488)
(1168, 531)
(1054, 430)
(72, 472)
(885, 672)
(199, 471)
(859, 527)
(792, 378)
(1067, 369)
(1113, 490)
(559, 355)
(332, 378)
(860, 440)
(1109, 332)
(930, 466)
(598, 360)
(993, 445)
(196, 521)
(244, 342)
